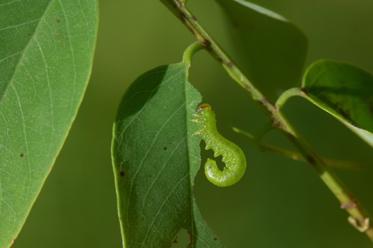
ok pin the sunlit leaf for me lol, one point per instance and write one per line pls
(46, 52)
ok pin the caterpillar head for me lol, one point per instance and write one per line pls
(203, 113)
(203, 107)
(203, 116)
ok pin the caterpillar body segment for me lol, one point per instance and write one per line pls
(232, 156)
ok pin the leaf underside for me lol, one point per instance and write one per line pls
(344, 91)
(156, 158)
(46, 52)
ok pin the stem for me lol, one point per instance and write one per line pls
(297, 156)
(190, 51)
(357, 216)
(284, 97)
(179, 9)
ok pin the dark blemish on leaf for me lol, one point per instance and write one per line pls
(22, 155)
(215, 238)
(58, 20)
(175, 241)
(165, 148)
(121, 169)
(190, 238)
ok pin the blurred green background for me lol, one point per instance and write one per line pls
(280, 203)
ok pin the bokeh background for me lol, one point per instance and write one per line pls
(280, 203)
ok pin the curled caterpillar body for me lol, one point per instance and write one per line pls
(232, 155)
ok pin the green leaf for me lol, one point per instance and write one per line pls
(271, 50)
(46, 52)
(156, 158)
(344, 91)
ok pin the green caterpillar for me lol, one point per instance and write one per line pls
(232, 155)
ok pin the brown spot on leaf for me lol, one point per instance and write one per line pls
(190, 238)
(121, 170)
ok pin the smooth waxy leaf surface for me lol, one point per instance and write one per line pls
(156, 158)
(46, 52)
(270, 49)
(344, 91)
